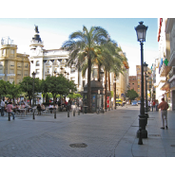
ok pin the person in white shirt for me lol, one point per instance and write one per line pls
(2, 107)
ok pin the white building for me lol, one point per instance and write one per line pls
(51, 62)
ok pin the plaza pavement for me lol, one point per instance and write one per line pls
(112, 134)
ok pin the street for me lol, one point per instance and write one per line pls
(85, 135)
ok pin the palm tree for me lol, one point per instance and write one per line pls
(106, 61)
(116, 69)
(81, 45)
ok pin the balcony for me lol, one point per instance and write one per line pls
(164, 70)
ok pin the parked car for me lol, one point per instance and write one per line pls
(134, 103)
(139, 102)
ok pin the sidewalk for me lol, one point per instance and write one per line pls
(160, 143)
(112, 134)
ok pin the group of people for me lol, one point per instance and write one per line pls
(12, 109)
(153, 105)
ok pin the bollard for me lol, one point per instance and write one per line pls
(55, 114)
(33, 114)
(74, 112)
(8, 116)
(68, 113)
(140, 137)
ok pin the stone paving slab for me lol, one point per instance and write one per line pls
(112, 134)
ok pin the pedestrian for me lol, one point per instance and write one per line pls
(9, 110)
(153, 105)
(39, 109)
(2, 107)
(164, 106)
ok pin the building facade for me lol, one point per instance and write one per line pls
(13, 66)
(170, 52)
(133, 84)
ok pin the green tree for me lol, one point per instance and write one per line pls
(27, 87)
(59, 85)
(3, 88)
(131, 94)
(44, 88)
(81, 47)
(13, 91)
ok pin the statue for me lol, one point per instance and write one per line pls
(36, 29)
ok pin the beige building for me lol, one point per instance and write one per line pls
(13, 66)
(149, 81)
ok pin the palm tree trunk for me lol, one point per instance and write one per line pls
(109, 83)
(114, 96)
(99, 72)
(105, 90)
(109, 88)
(89, 85)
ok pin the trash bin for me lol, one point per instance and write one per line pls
(85, 109)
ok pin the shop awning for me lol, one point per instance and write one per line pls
(165, 87)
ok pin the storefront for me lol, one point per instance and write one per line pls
(172, 94)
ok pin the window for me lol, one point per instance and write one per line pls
(19, 72)
(37, 63)
(11, 71)
(1, 71)
(37, 71)
(26, 65)
(25, 73)
(48, 71)
(132, 83)
(12, 51)
(3, 52)
(138, 86)
(19, 65)
(12, 63)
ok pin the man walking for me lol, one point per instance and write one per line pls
(9, 110)
(2, 107)
(164, 106)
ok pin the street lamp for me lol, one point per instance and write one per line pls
(33, 75)
(145, 69)
(141, 37)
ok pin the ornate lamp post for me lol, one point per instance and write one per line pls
(145, 68)
(141, 37)
(33, 75)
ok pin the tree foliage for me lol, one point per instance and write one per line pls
(81, 46)
(131, 94)
(27, 87)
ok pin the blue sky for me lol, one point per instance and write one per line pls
(54, 31)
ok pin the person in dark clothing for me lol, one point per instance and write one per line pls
(39, 109)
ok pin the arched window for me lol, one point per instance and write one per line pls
(37, 63)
